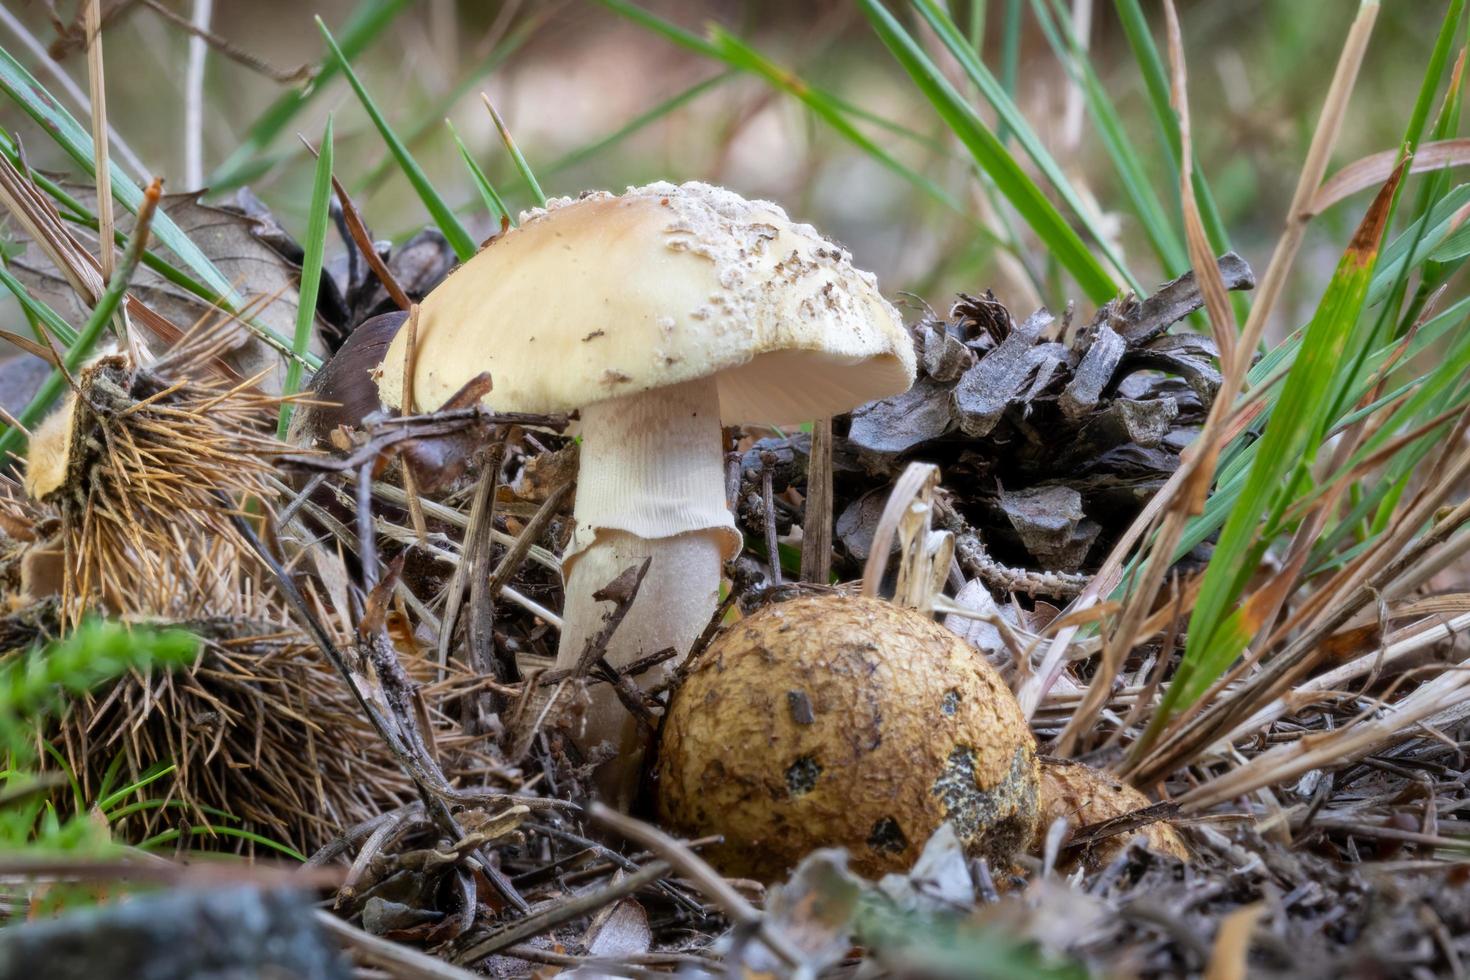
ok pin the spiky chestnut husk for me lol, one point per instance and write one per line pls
(1084, 795)
(849, 721)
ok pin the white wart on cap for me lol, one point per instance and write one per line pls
(658, 314)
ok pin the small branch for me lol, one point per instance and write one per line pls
(768, 508)
(560, 912)
(405, 962)
(621, 591)
(454, 595)
(511, 561)
(358, 231)
(200, 32)
(816, 522)
(701, 875)
(482, 659)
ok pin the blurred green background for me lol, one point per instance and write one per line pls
(567, 75)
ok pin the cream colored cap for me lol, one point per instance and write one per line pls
(604, 296)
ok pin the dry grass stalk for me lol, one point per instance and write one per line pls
(1370, 584)
(1198, 462)
(96, 80)
(1182, 492)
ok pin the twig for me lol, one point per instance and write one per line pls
(621, 591)
(482, 659)
(511, 561)
(559, 912)
(975, 559)
(816, 521)
(768, 509)
(608, 854)
(410, 364)
(629, 966)
(367, 542)
(200, 32)
(701, 875)
(454, 595)
(406, 962)
(358, 232)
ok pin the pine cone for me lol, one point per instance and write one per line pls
(1050, 437)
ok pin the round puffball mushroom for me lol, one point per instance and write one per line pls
(844, 721)
(1082, 795)
(657, 314)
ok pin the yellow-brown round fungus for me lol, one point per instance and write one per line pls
(1083, 795)
(845, 721)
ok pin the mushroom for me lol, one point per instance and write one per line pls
(844, 720)
(1082, 796)
(658, 314)
(341, 391)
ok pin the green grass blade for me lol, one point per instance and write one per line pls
(76, 141)
(509, 45)
(672, 32)
(33, 307)
(959, 46)
(735, 52)
(459, 239)
(315, 248)
(992, 157)
(1294, 433)
(522, 167)
(1133, 177)
(828, 107)
(249, 161)
(1433, 73)
(493, 201)
(1413, 136)
(1455, 246)
(210, 830)
(1156, 84)
(109, 776)
(1010, 55)
(152, 775)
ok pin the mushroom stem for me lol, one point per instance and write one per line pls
(651, 485)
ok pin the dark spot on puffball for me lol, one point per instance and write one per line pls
(887, 837)
(951, 702)
(801, 775)
(801, 707)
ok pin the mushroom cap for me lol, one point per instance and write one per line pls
(603, 296)
(842, 720)
(1083, 796)
(341, 391)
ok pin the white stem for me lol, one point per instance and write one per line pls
(651, 485)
